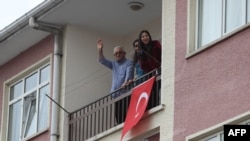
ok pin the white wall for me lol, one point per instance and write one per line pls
(84, 78)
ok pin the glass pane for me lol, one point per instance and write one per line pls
(43, 108)
(155, 137)
(16, 90)
(28, 113)
(222, 137)
(30, 127)
(14, 122)
(31, 82)
(210, 21)
(234, 14)
(215, 138)
(45, 74)
(248, 10)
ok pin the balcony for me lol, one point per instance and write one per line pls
(99, 116)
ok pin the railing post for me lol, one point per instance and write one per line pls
(100, 113)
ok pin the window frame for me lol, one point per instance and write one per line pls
(217, 129)
(193, 26)
(217, 135)
(47, 61)
(35, 91)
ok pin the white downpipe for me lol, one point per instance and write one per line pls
(56, 71)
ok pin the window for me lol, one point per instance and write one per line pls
(215, 133)
(28, 105)
(212, 20)
(215, 137)
(219, 17)
(155, 137)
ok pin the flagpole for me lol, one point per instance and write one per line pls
(58, 104)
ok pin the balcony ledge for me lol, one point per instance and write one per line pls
(119, 127)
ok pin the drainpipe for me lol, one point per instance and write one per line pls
(56, 30)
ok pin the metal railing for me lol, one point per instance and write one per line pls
(108, 112)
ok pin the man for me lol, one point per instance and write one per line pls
(122, 74)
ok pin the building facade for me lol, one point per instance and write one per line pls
(54, 89)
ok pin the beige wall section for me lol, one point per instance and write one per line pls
(84, 78)
(168, 68)
(148, 125)
(153, 27)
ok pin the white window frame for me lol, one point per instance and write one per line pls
(205, 134)
(193, 26)
(45, 86)
(35, 93)
(216, 135)
(149, 136)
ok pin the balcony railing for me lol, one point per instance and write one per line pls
(99, 116)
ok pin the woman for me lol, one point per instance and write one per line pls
(150, 57)
(149, 60)
(138, 71)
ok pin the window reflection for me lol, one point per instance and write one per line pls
(29, 114)
(43, 107)
(45, 74)
(31, 82)
(16, 90)
(15, 121)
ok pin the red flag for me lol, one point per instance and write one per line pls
(138, 104)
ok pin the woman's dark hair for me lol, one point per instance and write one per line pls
(136, 55)
(137, 40)
(147, 48)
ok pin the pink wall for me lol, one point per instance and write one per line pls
(212, 86)
(41, 137)
(24, 60)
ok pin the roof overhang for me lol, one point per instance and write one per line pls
(106, 16)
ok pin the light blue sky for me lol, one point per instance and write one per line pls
(11, 10)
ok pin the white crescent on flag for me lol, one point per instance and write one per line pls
(142, 95)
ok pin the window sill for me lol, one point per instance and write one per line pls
(35, 135)
(218, 127)
(210, 45)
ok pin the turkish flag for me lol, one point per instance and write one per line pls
(138, 103)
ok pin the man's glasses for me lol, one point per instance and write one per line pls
(120, 52)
